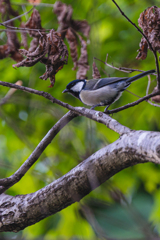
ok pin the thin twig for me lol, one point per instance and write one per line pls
(132, 93)
(126, 71)
(12, 30)
(19, 16)
(20, 29)
(133, 103)
(23, 29)
(9, 94)
(122, 69)
(150, 45)
(131, 69)
(91, 114)
(138, 29)
(98, 116)
(108, 75)
(147, 91)
(75, 109)
(29, 4)
(148, 86)
(153, 104)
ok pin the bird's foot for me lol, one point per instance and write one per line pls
(106, 111)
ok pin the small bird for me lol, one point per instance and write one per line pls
(103, 91)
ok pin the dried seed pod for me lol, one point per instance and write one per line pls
(83, 66)
(72, 40)
(96, 73)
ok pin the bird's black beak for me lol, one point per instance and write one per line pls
(66, 90)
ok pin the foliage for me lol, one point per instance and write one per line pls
(25, 119)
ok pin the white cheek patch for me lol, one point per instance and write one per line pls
(78, 87)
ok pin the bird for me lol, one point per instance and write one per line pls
(103, 91)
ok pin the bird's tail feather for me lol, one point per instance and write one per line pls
(136, 77)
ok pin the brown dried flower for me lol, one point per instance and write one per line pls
(51, 51)
(149, 21)
(69, 28)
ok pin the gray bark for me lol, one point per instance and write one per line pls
(131, 148)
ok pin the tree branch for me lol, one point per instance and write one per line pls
(91, 114)
(147, 91)
(133, 103)
(6, 183)
(149, 44)
(23, 29)
(122, 69)
(19, 16)
(112, 66)
(28, 4)
(9, 93)
(131, 148)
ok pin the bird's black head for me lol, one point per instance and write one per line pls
(75, 87)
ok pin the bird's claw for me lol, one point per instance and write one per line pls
(106, 111)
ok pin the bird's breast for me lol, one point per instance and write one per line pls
(103, 96)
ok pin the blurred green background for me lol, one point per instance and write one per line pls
(125, 207)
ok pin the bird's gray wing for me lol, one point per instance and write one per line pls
(90, 84)
(98, 83)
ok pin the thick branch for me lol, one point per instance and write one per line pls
(6, 183)
(132, 148)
